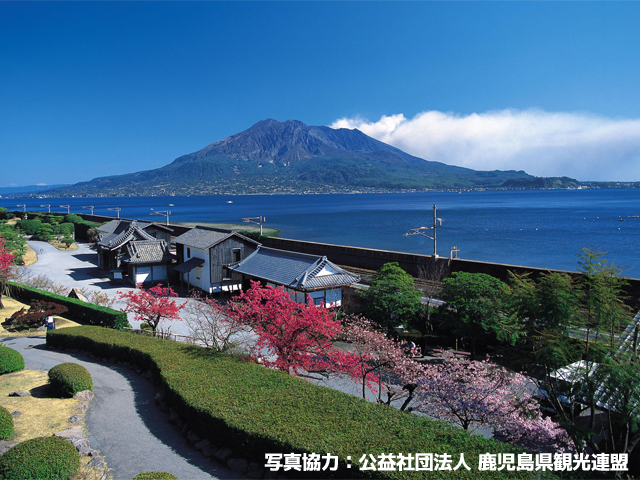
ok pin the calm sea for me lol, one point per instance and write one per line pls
(543, 229)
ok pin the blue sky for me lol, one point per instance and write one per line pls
(90, 89)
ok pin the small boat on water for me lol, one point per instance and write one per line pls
(229, 201)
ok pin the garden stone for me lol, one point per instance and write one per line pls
(223, 454)
(5, 445)
(201, 444)
(76, 419)
(192, 437)
(71, 432)
(84, 395)
(83, 450)
(16, 414)
(239, 465)
(96, 462)
(209, 450)
(19, 393)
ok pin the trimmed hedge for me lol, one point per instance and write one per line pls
(254, 410)
(79, 311)
(6, 424)
(67, 379)
(40, 458)
(10, 360)
(155, 476)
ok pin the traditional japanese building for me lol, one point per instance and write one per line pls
(129, 250)
(301, 274)
(203, 253)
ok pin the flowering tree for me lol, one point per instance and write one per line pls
(292, 337)
(476, 394)
(152, 305)
(382, 364)
(211, 324)
(6, 267)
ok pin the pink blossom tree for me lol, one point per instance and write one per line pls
(153, 305)
(6, 267)
(382, 364)
(475, 394)
(292, 337)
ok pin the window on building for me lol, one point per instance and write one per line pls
(188, 252)
(237, 255)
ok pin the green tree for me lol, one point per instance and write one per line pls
(29, 227)
(393, 298)
(546, 308)
(473, 308)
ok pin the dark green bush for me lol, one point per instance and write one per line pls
(254, 410)
(79, 311)
(67, 379)
(6, 424)
(40, 458)
(155, 476)
(10, 360)
(29, 227)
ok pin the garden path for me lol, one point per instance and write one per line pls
(123, 421)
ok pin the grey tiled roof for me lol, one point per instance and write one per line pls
(119, 225)
(122, 233)
(207, 237)
(295, 270)
(148, 251)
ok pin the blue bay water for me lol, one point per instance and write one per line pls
(543, 229)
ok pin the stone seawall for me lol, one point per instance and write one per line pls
(372, 259)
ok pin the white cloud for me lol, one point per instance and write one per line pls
(549, 144)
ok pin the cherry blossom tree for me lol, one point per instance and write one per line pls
(153, 305)
(383, 365)
(292, 337)
(479, 394)
(6, 267)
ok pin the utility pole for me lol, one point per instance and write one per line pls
(257, 220)
(166, 213)
(90, 207)
(48, 206)
(437, 222)
(68, 207)
(117, 209)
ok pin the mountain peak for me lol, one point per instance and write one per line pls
(290, 156)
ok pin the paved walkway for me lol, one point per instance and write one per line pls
(123, 421)
(79, 269)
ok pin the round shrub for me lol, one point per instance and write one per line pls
(41, 458)
(6, 424)
(155, 476)
(10, 360)
(67, 379)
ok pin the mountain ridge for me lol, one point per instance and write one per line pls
(291, 157)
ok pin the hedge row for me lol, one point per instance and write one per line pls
(254, 410)
(79, 311)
